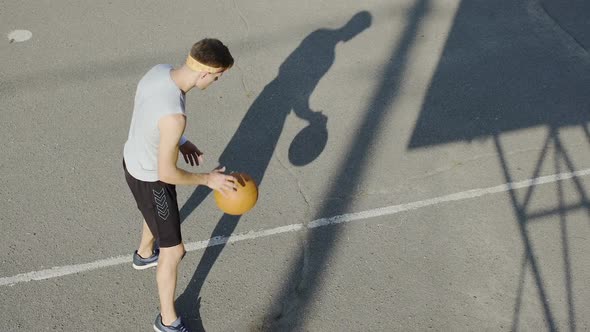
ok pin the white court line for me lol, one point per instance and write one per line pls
(389, 210)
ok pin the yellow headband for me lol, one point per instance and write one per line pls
(195, 65)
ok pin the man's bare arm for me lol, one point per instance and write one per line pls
(171, 129)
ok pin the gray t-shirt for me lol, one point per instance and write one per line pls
(157, 95)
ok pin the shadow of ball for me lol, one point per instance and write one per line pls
(308, 144)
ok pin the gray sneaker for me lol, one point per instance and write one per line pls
(177, 326)
(140, 263)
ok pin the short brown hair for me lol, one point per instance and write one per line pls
(213, 53)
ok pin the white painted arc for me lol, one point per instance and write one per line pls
(389, 210)
(448, 198)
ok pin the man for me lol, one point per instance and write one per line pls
(149, 161)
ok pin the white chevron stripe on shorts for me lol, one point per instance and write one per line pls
(161, 204)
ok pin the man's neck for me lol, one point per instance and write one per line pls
(181, 78)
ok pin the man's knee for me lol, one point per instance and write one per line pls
(172, 254)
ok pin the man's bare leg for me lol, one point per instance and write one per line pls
(166, 278)
(146, 246)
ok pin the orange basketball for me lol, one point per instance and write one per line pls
(240, 201)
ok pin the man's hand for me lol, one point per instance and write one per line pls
(216, 180)
(191, 153)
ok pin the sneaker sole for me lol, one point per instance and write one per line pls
(157, 329)
(143, 267)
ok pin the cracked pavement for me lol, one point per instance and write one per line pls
(423, 99)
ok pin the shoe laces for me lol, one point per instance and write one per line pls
(182, 328)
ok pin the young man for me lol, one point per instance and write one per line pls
(149, 161)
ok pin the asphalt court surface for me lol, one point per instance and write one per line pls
(430, 105)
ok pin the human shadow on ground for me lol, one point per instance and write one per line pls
(253, 144)
(292, 306)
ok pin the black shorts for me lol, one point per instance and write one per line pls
(159, 207)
